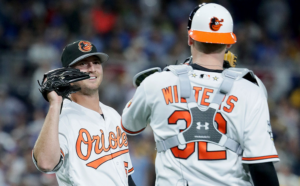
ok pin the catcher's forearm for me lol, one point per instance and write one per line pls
(47, 150)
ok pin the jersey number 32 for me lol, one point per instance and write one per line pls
(203, 154)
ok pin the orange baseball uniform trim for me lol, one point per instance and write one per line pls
(95, 164)
(62, 153)
(129, 103)
(260, 158)
(130, 132)
(130, 170)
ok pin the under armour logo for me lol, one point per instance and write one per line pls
(205, 126)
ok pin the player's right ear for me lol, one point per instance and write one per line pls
(228, 46)
(190, 41)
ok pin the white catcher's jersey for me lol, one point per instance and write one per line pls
(95, 150)
(243, 116)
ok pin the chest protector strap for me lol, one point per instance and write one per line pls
(202, 126)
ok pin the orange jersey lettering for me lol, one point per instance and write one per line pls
(206, 96)
(167, 92)
(114, 142)
(230, 103)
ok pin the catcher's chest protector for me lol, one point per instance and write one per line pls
(202, 126)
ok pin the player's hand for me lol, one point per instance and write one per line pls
(54, 98)
(59, 80)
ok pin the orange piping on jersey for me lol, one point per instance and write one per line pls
(62, 153)
(197, 90)
(231, 104)
(96, 163)
(205, 96)
(175, 94)
(129, 104)
(130, 170)
(260, 158)
(167, 92)
(126, 167)
(130, 132)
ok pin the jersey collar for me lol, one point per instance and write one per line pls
(198, 67)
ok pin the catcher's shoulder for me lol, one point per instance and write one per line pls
(250, 81)
(160, 78)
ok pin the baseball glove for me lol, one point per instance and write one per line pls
(229, 59)
(59, 80)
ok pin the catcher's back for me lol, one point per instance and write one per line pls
(158, 101)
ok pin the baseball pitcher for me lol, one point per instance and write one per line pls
(84, 144)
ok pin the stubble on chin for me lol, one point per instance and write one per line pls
(88, 91)
(85, 90)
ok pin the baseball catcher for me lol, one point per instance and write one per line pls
(59, 80)
(210, 121)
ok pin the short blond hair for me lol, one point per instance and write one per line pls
(209, 48)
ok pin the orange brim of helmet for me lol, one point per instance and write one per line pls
(209, 37)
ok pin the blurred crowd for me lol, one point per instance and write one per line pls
(137, 34)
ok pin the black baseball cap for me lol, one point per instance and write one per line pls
(79, 50)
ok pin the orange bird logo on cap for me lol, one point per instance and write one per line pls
(85, 46)
(215, 24)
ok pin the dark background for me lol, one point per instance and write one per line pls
(137, 34)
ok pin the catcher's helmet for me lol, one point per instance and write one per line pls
(211, 23)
